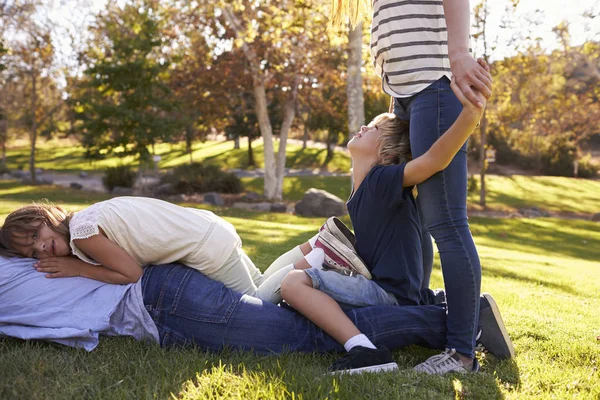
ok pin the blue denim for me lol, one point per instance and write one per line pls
(350, 291)
(442, 203)
(189, 308)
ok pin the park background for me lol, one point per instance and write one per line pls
(176, 99)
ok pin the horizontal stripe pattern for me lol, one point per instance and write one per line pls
(409, 44)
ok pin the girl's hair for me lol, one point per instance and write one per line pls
(394, 141)
(355, 10)
(26, 220)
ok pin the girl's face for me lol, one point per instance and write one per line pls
(365, 143)
(42, 243)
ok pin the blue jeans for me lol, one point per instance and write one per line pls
(350, 291)
(189, 308)
(442, 203)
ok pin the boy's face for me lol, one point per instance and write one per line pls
(43, 242)
(365, 143)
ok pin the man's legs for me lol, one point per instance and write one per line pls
(187, 308)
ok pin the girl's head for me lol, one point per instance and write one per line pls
(36, 231)
(385, 141)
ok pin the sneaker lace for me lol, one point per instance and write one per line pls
(443, 362)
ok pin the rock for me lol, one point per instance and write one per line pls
(43, 181)
(213, 198)
(533, 212)
(595, 217)
(19, 173)
(83, 174)
(278, 207)
(122, 191)
(251, 196)
(261, 207)
(166, 189)
(319, 203)
(76, 185)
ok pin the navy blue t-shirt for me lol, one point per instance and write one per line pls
(388, 232)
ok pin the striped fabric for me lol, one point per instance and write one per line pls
(409, 44)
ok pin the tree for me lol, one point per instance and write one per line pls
(123, 103)
(278, 47)
(354, 87)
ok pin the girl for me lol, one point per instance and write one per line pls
(416, 47)
(112, 241)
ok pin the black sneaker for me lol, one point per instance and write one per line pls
(493, 339)
(362, 359)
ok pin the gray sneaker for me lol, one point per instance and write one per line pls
(444, 363)
(340, 257)
(493, 339)
(338, 229)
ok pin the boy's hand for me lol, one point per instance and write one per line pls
(468, 107)
(59, 267)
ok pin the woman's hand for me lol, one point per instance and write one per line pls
(59, 267)
(471, 77)
(469, 109)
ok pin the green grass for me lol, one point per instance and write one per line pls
(551, 193)
(62, 156)
(542, 272)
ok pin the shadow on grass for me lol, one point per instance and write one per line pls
(494, 272)
(573, 238)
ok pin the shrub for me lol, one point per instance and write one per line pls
(199, 178)
(4, 169)
(587, 169)
(121, 175)
(473, 184)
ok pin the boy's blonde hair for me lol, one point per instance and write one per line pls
(26, 220)
(394, 141)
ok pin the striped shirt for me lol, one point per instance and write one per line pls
(409, 45)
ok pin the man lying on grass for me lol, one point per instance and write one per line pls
(174, 305)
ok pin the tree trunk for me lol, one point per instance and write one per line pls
(289, 112)
(251, 162)
(484, 163)
(236, 142)
(260, 106)
(305, 136)
(3, 138)
(354, 90)
(33, 132)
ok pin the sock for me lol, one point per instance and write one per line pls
(313, 240)
(291, 257)
(359, 340)
(270, 289)
(315, 258)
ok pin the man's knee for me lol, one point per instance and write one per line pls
(292, 282)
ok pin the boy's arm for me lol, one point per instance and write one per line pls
(441, 153)
(117, 266)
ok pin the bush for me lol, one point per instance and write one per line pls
(122, 175)
(473, 184)
(4, 169)
(586, 169)
(199, 178)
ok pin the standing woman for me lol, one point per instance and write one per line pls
(417, 47)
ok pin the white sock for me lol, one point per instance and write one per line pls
(315, 258)
(313, 240)
(359, 340)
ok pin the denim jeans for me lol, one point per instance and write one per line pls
(442, 202)
(350, 291)
(189, 308)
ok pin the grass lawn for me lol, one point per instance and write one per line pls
(63, 156)
(542, 272)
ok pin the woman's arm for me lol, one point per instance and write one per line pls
(117, 266)
(465, 70)
(441, 153)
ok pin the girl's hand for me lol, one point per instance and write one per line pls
(468, 107)
(473, 77)
(59, 267)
